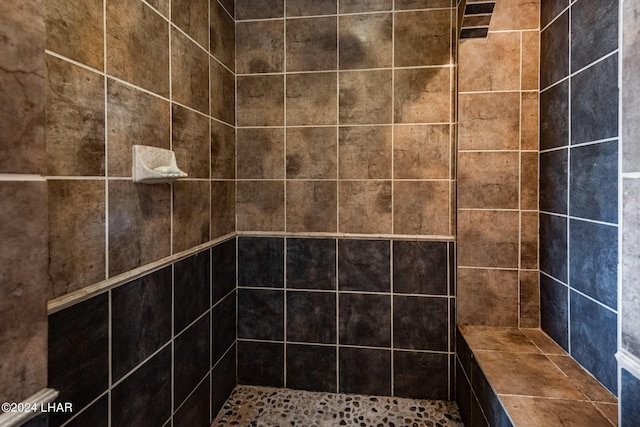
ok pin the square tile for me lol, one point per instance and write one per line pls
(67, 22)
(422, 207)
(133, 401)
(260, 206)
(190, 141)
(223, 96)
(364, 265)
(134, 117)
(189, 73)
(260, 314)
(422, 95)
(554, 116)
(260, 153)
(364, 207)
(191, 289)
(532, 411)
(259, 47)
(139, 224)
(420, 375)
(365, 371)
(311, 368)
(141, 320)
(312, 206)
(78, 351)
(138, 45)
(365, 152)
(594, 31)
(491, 63)
(311, 317)
(594, 339)
(365, 97)
(554, 246)
(261, 262)
(261, 363)
(365, 41)
(420, 323)
(582, 379)
(75, 130)
(487, 297)
(420, 267)
(311, 107)
(224, 327)
(489, 180)
(422, 38)
(422, 151)
(311, 263)
(593, 263)
(594, 102)
(190, 359)
(76, 234)
(311, 153)
(191, 219)
(488, 238)
(260, 100)
(222, 36)
(365, 320)
(223, 217)
(554, 51)
(526, 374)
(192, 18)
(593, 181)
(312, 44)
(554, 171)
(489, 121)
(503, 339)
(516, 15)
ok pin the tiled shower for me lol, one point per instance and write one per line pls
(360, 181)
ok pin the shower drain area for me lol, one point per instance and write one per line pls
(279, 407)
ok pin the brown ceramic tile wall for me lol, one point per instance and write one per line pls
(23, 210)
(498, 170)
(345, 117)
(120, 75)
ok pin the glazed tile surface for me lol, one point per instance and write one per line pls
(275, 407)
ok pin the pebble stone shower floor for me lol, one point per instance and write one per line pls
(277, 407)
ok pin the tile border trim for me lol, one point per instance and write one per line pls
(65, 301)
(41, 398)
(628, 362)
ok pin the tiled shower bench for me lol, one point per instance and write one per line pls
(520, 377)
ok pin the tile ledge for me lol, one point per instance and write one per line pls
(40, 399)
(90, 291)
(631, 175)
(629, 362)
